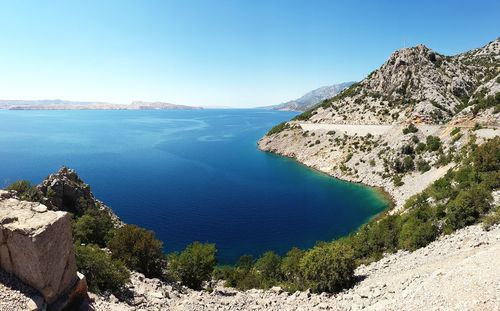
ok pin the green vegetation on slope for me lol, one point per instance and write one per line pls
(278, 128)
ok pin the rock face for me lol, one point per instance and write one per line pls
(36, 246)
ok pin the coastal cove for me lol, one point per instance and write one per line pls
(189, 175)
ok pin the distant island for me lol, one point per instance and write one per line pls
(58, 104)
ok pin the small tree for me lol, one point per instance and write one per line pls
(26, 191)
(468, 206)
(328, 267)
(94, 227)
(433, 143)
(194, 265)
(139, 249)
(408, 164)
(102, 272)
(416, 233)
(269, 266)
(290, 264)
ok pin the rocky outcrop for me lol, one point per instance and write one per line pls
(36, 246)
(65, 191)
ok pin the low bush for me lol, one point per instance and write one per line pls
(26, 191)
(328, 267)
(423, 166)
(491, 219)
(95, 226)
(278, 128)
(194, 265)
(139, 249)
(269, 267)
(433, 143)
(410, 129)
(102, 272)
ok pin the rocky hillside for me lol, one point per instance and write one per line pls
(312, 98)
(414, 83)
(402, 126)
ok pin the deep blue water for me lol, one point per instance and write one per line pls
(188, 175)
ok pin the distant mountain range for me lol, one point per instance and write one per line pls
(57, 104)
(312, 98)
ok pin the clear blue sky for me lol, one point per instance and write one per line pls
(231, 53)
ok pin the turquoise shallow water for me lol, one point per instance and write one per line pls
(189, 175)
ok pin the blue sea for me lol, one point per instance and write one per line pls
(189, 176)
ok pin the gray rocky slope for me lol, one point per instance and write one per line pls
(312, 98)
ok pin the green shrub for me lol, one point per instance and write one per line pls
(423, 166)
(407, 149)
(487, 156)
(433, 143)
(455, 130)
(421, 147)
(242, 276)
(94, 227)
(410, 129)
(194, 265)
(467, 207)
(268, 265)
(397, 180)
(306, 115)
(290, 265)
(328, 267)
(139, 249)
(278, 128)
(26, 191)
(408, 164)
(492, 219)
(102, 272)
(416, 233)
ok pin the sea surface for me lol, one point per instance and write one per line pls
(189, 176)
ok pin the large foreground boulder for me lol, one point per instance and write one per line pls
(36, 245)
